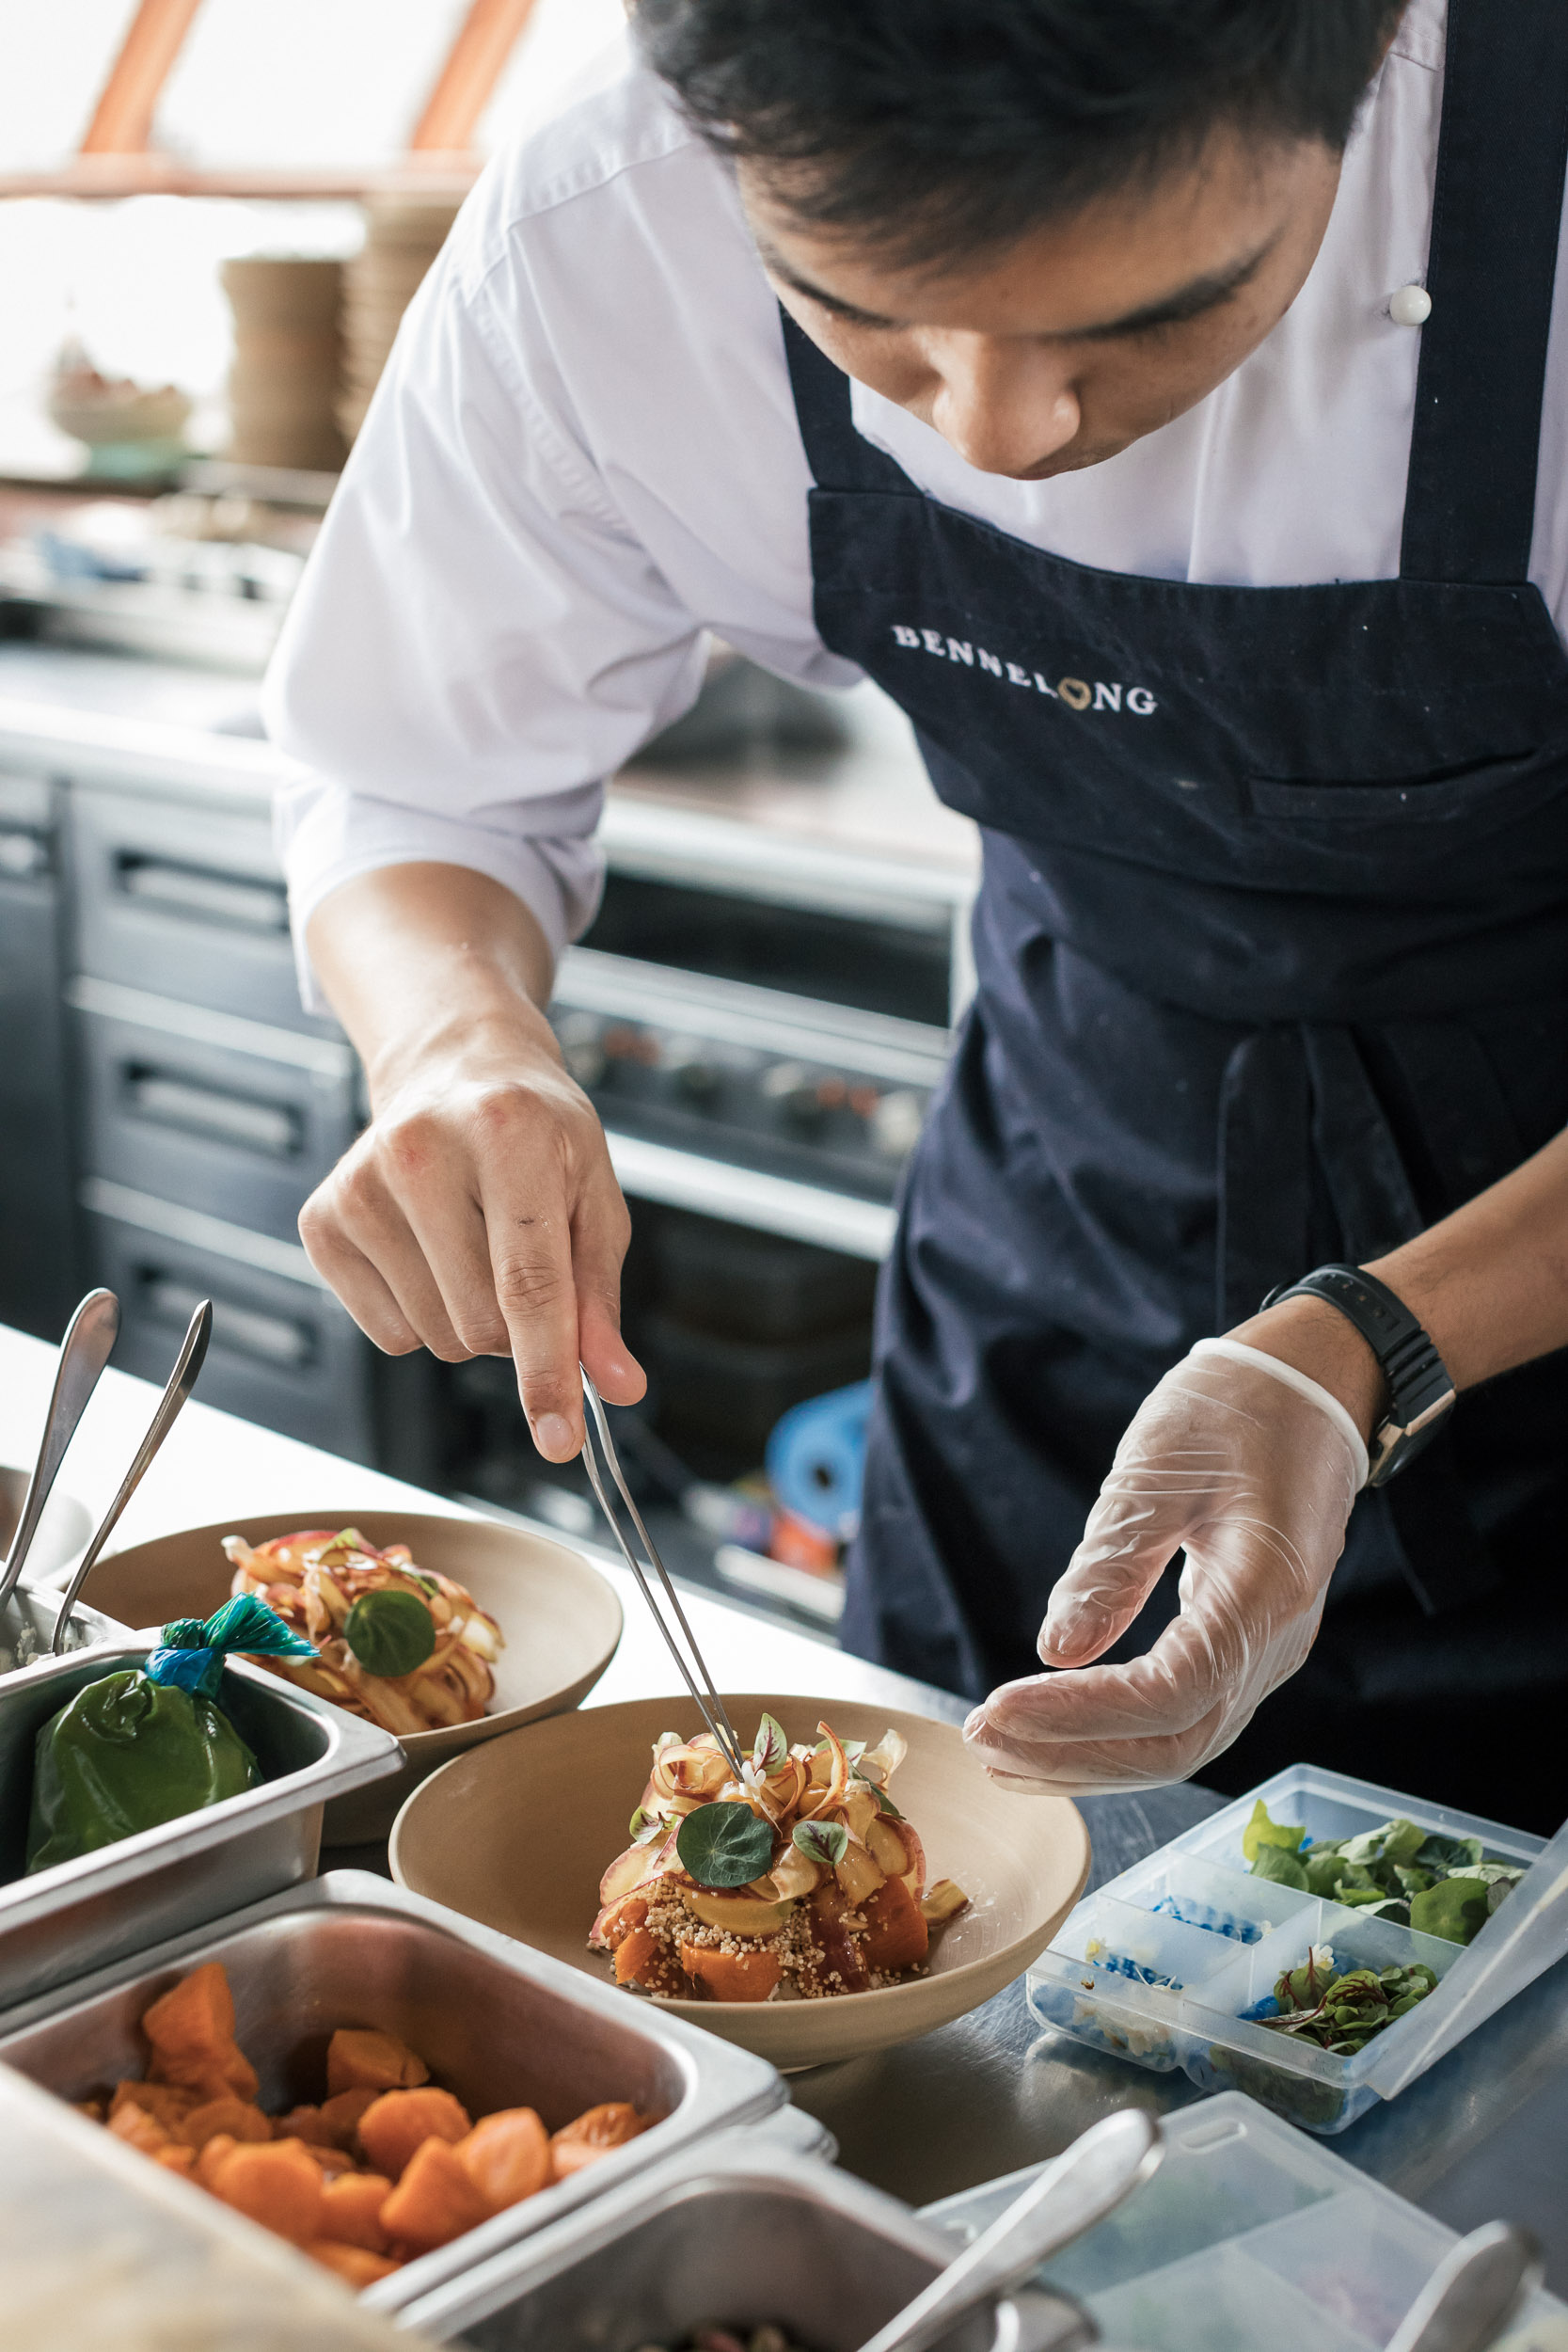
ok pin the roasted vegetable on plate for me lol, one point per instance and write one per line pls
(800, 1880)
(406, 1649)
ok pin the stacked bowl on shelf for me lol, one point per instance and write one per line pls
(403, 236)
(286, 366)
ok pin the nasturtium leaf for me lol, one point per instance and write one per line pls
(724, 1845)
(391, 1632)
(1454, 1908)
(1391, 1841)
(826, 1842)
(1275, 1862)
(1323, 1873)
(1260, 1833)
(1439, 1854)
(770, 1748)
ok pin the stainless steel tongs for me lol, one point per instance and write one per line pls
(694, 1673)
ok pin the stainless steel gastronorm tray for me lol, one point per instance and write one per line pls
(741, 2231)
(28, 1628)
(79, 1916)
(498, 2024)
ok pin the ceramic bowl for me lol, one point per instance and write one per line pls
(517, 1834)
(62, 1531)
(562, 1620)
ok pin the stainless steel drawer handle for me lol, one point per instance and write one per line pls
(232, 898)
(269, 1127)
(271, 1340)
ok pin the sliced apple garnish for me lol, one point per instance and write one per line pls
(857, 1873)
(738, 1915)
(795, 1873)
(945, 1901)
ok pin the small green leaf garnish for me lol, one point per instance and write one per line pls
(1277, 1863)
(885, 1801)
(770, 1749)
(724, 1845)
(425, 1584)
(826, 1842)
(1260, 1831)
(391, 1632)
(1454, 1908)
(644, 1828)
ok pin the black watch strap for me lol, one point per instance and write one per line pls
(1420, 1389)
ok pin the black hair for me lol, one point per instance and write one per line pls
(931, 130)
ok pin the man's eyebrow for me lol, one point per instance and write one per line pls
(1173, 310)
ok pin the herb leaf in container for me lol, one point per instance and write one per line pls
(148, 1743)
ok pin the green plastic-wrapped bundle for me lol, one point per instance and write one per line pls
(148, 1743)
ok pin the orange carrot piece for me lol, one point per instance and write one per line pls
(360, 2059)
(402, 2121)
(139, 2130)
(351, 2210)
(507, 2156)
(165, 2102)
(332, 2163)
(341, 2114)
(896, 1935)
(621, 1919)
(176, 2159)
(435, 2202)
(210, 2158)
(239, 2118)
(304, 2124)
(357, 2265)
(277, 2185)
(637, 1954)
(732, 1975)
(610, 2125)
(572, 2156)
(191, 2028)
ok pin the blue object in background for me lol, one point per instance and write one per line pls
(816, 1459)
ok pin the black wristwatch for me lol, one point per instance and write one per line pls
(1419, 1389)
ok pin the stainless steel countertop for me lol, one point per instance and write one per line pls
(1484, 2134)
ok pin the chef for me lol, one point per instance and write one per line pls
(1167, 402)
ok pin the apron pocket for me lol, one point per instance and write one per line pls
(1413, 812)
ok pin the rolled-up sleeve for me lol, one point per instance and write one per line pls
(478, 640)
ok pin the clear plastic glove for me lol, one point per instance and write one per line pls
(1251, 1469)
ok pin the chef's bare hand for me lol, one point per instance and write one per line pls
(1254, 1479)
(478, 1214)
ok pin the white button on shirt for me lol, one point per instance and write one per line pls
(584, 455)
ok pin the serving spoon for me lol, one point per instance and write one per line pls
(83, 1352)
(1473, 2293)
(182, 1380)
(1085, 2182)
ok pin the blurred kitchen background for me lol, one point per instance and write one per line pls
(211, 214)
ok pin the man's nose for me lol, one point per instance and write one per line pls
(1005, 407)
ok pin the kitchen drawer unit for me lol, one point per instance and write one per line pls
(186, 903)
(283, 1352)
(206, 1109)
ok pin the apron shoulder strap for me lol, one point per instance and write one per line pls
(840, 458)
(1470, 506)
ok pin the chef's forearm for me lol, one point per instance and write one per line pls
(1490, 1283)
(409, 956)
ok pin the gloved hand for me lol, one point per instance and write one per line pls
(1252, 1469)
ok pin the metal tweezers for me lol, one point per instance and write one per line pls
(700, 1684)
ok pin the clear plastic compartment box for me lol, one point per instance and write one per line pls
(1161, 1966)
(1248, 2234)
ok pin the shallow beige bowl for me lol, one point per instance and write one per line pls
(518, 1834)
(562, 1620)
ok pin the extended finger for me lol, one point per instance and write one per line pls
(600, 1232)
(530, 1237)
(1105, 1583)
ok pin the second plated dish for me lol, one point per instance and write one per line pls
(560, 1620)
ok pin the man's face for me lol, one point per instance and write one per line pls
(1060, 350)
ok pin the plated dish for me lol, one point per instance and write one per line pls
(802, 1880)
(557, 1621)
(519, 1834)
(395, 1643)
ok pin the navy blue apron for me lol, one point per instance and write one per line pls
(1272, 948)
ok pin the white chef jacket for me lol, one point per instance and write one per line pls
(584, 455)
